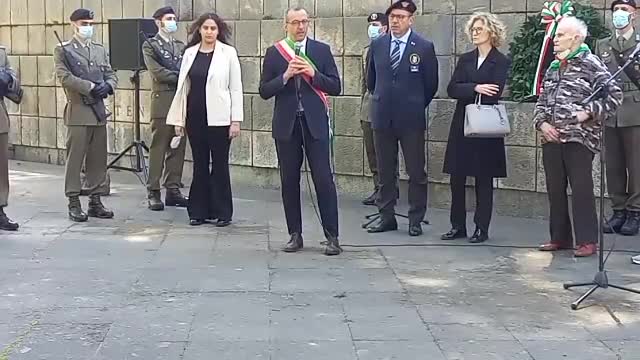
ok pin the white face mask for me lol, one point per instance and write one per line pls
(85, 32)
(170, 26)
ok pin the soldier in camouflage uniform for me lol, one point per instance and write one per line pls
(83, 69)
(10, 89)
(571, 134)
(622, 132)
(163, 55)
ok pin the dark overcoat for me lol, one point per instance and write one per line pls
(483, 157)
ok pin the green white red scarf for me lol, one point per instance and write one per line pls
(286, 48)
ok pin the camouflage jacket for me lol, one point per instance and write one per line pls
(563, 92)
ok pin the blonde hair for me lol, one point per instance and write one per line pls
(496, 28)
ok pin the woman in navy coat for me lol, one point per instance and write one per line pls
(482, 72)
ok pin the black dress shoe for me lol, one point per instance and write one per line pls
(333, 247)
(371, 199)
(479, 236)
(6, 223)
(295, 244)
(196, 222)
(615, 222)
(454, 234)
(223, 223)
(383, 226)
(415, 230)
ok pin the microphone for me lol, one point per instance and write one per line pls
(297, 47)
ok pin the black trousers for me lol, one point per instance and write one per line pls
(290, 157)
(484, 202)
(210, 193)
(413, 149)
(570, 164)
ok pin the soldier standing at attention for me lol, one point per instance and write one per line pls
(163, 55)
(83, 68)
(622, 131)
(9, 88)
(378, 26)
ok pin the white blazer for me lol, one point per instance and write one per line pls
(223, 89)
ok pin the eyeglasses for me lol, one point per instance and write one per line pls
(398, 17)
(477, 30)
(299, 22)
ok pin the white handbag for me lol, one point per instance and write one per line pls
(486, 121)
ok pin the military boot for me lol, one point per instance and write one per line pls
(175, 198)
(614, 224)
(6, 223)
(155, 202)
(96, 209)
(630, 227)
(75, 210)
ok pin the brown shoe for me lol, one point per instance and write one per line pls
(586, 250)
(552, 246)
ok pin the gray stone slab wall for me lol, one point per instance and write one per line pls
(38, 132)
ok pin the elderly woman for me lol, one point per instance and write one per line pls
(480, 74)
(571, 135)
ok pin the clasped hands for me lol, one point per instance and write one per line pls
(552, 134)
(299, 66)
(101, 90)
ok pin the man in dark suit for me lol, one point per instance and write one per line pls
(403, 78)
(300, 73)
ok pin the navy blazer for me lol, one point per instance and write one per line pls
(399, 101)
(326, 79)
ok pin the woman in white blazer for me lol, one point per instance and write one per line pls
(208, 104)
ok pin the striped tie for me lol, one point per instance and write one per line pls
(395, 56)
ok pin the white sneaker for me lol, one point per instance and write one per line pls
(636, 260)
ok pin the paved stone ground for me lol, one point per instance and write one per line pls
(147, 286)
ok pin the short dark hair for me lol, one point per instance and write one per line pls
(224, 31)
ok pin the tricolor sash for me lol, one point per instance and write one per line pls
(286, 48)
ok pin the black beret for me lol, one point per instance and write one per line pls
(623, 2)
(163, 11)
(406, 5)
(378, 17)
(81, 14)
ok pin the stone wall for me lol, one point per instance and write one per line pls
(38, 132)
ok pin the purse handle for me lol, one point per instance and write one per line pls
(479, 99)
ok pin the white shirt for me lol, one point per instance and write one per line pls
(403, 43)
(480, 61)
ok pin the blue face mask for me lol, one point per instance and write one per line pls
(86, 32)
(621, 19)
(374, 32)
(170, 26)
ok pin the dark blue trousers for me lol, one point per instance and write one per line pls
(290, 157)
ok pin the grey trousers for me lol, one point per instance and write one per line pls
(88, 142)
(570, 164)
(4, 169)
(622, 155)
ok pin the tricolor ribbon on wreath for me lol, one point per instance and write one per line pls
(552, 13)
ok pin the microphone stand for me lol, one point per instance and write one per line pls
(601, 279)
